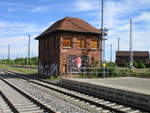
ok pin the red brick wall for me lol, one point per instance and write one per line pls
(65, 52)
(51, 50)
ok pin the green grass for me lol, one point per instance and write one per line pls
(20, 70)
(145, 72)
(140, 72)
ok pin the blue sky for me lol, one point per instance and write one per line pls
(20, 18)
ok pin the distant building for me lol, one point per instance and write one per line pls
(62, 42)
(138, 56)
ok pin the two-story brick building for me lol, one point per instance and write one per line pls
(62, 42)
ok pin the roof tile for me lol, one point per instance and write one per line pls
(71, 24)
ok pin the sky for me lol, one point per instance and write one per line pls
(21, 18)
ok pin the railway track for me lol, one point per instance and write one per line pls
(6, 106)
(16, 100)
(95, 102)
(59, 104)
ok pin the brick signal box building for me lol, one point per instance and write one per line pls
(62, 42)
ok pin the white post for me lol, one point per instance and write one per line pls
(110, 52)
(131, 51)
(118, 43)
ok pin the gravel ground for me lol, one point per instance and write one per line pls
(4, 108)
(48, 99)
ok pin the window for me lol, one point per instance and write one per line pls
(67, 42)
(94, 44)
(81, 43)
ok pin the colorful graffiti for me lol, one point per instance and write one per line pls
(48, 70)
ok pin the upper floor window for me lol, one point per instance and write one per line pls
(67, 42)
(80, 43)
(94, 44)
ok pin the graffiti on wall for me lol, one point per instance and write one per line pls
(72, 66)
(53, 69)
(48, 70)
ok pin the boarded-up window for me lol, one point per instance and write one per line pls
(67, 42)
(81, 43)
(94, 44)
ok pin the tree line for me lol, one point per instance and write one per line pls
(20, 61)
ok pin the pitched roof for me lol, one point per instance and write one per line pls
(135, 53)
(71, 24)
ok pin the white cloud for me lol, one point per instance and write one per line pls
(144, 16)
(12, 6)
(116, 19)
(44, 0)
(18, 46)
(2, 24)
(40, 9)
(14, 28)
(11, 9)
(85, 5)
(16, 34)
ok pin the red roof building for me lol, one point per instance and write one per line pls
(62, 42)
(138, 56)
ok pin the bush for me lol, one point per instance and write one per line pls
(141, 65)
(115, 72)
(147, 65)
(20, 61)
(125, 64)
(110, 64)
(135, 64)
(94, 64)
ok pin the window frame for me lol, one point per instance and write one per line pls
(71, 42)
(79, 43)
(97, 43)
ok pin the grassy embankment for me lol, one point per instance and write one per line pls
(121, 72)
(20, 70)
(26, 71)
(117, 72)
(141, 72)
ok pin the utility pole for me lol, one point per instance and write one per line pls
(102, 36)
(103, 30)
(28, 58)
(131, 51)
(110, 52)
(32, 54)
(118, 44)
(8, 53)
